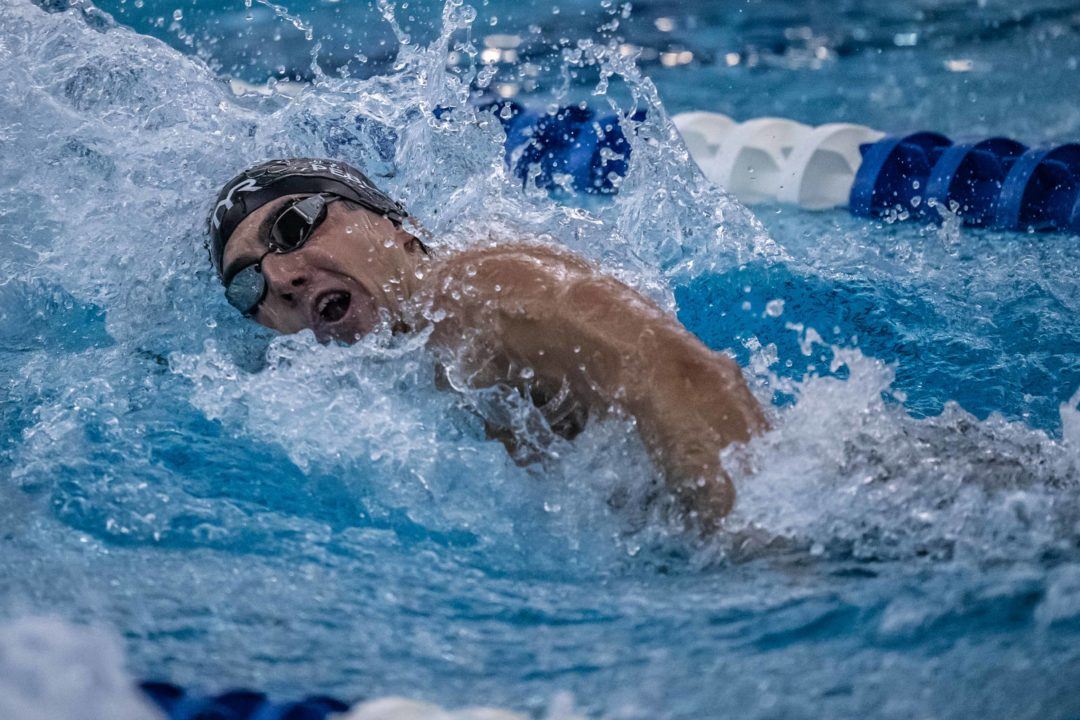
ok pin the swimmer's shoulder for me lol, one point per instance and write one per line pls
(518, 266)
(521, 250)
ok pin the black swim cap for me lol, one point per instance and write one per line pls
(267, 181)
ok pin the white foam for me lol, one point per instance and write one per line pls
(396, 708)
(1070, 423)
(846, 473)
(53, 670)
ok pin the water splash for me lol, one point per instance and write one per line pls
(846, 473)
(667, 225)
(1070, 421)
(229, 480)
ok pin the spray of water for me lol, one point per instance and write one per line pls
(144, 417)
(107, 197)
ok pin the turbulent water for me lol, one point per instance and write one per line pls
(243, 509)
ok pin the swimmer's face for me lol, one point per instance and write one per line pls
(353, 266)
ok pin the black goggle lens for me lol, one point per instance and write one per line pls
(297, 222)
(246, 289)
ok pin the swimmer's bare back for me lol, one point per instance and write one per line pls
(550, 314)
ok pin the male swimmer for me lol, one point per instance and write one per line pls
(313, 244)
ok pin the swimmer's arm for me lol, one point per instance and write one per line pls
(619, 349)
(689, 401)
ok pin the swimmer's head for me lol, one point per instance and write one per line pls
(313, 244)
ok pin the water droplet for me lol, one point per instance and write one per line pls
(774, 308)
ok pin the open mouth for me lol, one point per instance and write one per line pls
(332, 306)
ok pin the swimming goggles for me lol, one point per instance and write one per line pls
(292, 227)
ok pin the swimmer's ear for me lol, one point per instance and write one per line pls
(413, 245)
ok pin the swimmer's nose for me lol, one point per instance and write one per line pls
(285, 273)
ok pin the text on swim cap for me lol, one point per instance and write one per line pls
(248, 185)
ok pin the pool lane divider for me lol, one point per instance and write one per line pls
(177, 704)
(572, 149)
(997, 183)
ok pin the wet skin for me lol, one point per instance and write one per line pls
(501, 313)
(354, 264)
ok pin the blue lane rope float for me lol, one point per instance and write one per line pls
(573, 148)
(970, 176)
(894, 174)
(1042, 190)
(177, 704)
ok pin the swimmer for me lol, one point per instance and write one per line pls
(313, 244)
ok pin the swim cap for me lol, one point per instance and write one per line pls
(255, 187)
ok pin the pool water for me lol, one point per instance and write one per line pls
(239, 509)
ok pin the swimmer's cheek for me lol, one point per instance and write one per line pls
(268, 317)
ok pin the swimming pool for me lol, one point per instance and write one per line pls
(243, 510)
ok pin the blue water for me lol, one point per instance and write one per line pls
(248, 510)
